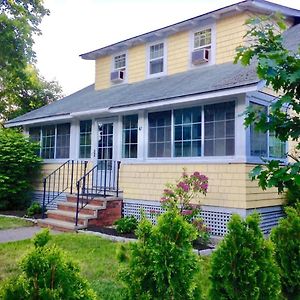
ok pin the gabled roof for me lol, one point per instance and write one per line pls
(193, 82)
(261, 6)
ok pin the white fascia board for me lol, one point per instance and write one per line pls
(209, 95)
(91, 112)
(38, 121)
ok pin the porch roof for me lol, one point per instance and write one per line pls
(191, 83)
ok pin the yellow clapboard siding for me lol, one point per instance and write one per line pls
(102, 72)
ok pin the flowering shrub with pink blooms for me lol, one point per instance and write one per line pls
(180, 195)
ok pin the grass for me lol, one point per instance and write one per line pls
(9, 223)
(95, 256)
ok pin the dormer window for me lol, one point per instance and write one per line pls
(156, 59)
(202, 39)
(120, 62)
(118, 69)
(201, 47)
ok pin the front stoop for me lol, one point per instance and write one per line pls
(99, 212)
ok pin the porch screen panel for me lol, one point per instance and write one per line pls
(258, 139)
(187, 132)
(130, 136)
(85, 139)
(48, 142)
(63, 141)
(159, 134)
(219, 129)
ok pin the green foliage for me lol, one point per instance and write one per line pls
(292, 197)
(42, 238)
(47, 274)
(22, 88)
(126, 224)
(280, 68)
(34, 209)
(243, 266)
(19, 166)
(162, 265)
(286, 237)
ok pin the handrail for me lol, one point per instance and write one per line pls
(102, 180)
(61, 180)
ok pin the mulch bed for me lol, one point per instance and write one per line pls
(112, 231)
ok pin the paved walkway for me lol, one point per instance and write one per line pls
(18, 234)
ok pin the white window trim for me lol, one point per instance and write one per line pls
(212, 53)
(112, 67)
(148, 75)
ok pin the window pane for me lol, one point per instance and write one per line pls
(159, 134)
(156, 59)
(156, 66)
(258, 139)
(120, 61)
(85, 139)
(130, 136)
(219, 129)
(202, 38)
(187, 132)
(277, 148)
(48, 141)
(63, 141)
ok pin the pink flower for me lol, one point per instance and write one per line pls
(203, 178)
(186, 212)
(163, 199)
(184, 186)
(204, 186)
(168, 192)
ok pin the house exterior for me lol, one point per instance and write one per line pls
(171, 99)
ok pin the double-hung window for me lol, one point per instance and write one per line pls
(85, 139)
(156, 59)
(202, 39)
(120, 62)
(265, 144)
(130, 136)
(159, 137)
(54, 140)
(187, 132)
(219, 129)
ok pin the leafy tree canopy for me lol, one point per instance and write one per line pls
(21, 87)
(280, 68)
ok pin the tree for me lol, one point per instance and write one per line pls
(280, 68)
(243, 266)
(19, 166)
(21, 87)
(286, 238)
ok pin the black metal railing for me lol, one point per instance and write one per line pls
(62, 179)
(101, 181)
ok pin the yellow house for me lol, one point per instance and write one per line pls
(163, 101)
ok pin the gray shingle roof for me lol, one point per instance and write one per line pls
(193, 82)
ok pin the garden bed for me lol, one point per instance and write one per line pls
(19, 213)
(113, 232)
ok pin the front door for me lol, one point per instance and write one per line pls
(105, 178)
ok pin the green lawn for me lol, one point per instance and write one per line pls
(8, 223)
(96, 257)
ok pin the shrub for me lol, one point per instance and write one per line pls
(162, 265)
(188, 188)
(47, 274)
(286, 237)
(34, 209)
(126, 224)
(243, 266)
(292, 196)
(19, 165)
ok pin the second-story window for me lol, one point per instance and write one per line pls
(156, 59)
(202, 39)
(120, 62)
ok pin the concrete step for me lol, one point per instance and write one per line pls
(70, 216)
(59, 225)
(88, 209)
(97, 201)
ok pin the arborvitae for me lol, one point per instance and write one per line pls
(243, 266)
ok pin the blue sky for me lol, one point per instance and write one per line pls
(78, 26)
